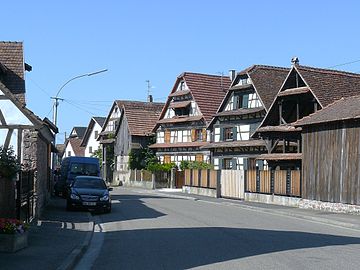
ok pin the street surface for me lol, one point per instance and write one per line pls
(149, 230)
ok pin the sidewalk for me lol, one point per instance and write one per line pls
(55, 241)
(330, 218)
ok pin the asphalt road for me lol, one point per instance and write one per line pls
(147, 230)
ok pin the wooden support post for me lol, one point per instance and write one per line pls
(280, 112)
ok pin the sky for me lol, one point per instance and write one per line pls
(158, 40)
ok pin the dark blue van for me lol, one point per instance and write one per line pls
(72, 167)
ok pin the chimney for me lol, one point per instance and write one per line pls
(232, 74)
(295, 61)
(150, 98)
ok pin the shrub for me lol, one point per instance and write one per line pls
(155, 166)
(9, 165)
(195, 165)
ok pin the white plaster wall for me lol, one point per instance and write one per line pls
(92, 142)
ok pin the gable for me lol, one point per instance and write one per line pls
(294, 80)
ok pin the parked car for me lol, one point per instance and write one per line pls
(72, 167)
(89, 192)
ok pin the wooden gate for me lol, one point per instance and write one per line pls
(179, 179)
(25, 201)
(232, 184)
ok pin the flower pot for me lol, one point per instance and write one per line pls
(13, 242)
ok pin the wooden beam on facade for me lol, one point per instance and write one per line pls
(8, 138)
(2, 118)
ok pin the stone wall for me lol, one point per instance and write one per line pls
(330, 207)
(36, 159)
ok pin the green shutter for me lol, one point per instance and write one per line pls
(220, 164)
(236, 101)
(234, 133)
(221, 134)
(245, 101)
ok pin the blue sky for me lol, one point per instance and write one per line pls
(157, 40)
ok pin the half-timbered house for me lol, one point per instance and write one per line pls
(133, 133)
(240, 113)
(181, 128)
(304, 91)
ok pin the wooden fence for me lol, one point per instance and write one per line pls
(201, 178)
(278, 182)
(232, 184)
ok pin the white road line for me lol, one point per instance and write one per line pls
(93, 251)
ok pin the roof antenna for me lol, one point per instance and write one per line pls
(221, 81)
(149, 96)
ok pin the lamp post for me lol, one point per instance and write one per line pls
(56, 99)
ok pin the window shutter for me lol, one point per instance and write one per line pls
(204, 134)
(199, 158)
(167, 136)
(234, 133)
(221, 134)
(193, 135)
(236, 103)
(245, 101)
(253, 127)
(220, 163)
(233, 167)
(167, 159)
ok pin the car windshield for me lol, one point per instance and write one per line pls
(84, 169)
(89, 183)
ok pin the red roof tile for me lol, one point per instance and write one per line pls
(75, 144)
(141, 116)
(11, 56)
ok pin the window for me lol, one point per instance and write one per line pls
(228, 133)
(169, 113)
(198, 135)
(173, 137)
(216, 164)
(240, 163)
(69, 153)
(96, 134)
(160, 138)
(161, 159)
(186, 136)
(217, 135)
(90, 149)
(243, 132)
(228, 163)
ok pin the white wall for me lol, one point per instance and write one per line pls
(92, 142)
(67, 149)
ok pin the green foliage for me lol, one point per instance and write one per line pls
(9, 165)
(155, 166)
(195, 165)
(139, 159)
(98, 154)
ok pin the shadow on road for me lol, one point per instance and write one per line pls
(183, 248)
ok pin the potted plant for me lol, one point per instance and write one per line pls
(13, 234)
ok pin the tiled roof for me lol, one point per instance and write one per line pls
(207, 91)
(330, 85)
(90, 127)
(267, 80)
(141, 116)
(100, 120)
(179, 104)
(75, 144)
(180, 119)
(11, 56)
(80, 131)
(343, 109)
(294, 91)
(280, 156)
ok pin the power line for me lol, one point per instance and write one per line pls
(38, 86)
(344, 64)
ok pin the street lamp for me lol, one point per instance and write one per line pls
(57, 98)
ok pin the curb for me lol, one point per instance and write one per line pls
(300, 216)
(79, 251)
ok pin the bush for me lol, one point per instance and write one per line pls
(199, 165)
(154, 166)
(9, 165)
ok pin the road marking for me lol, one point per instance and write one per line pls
(93, 251)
